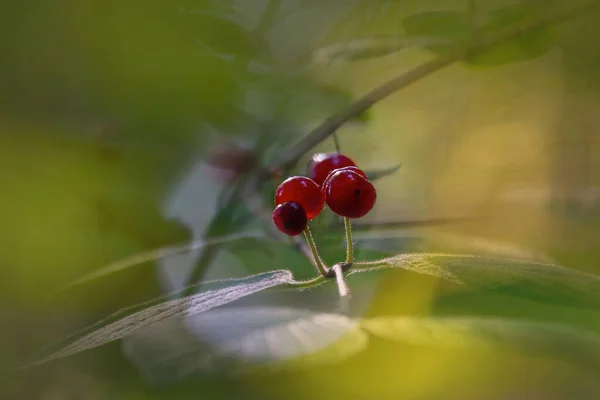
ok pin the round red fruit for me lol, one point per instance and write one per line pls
(322, 164)
(290, 218)
(303, 191)
(349, 194)
(354, 169)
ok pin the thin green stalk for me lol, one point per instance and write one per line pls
(357, 265)
(313, 248)
(336, 142)
(349, 245)
(306, 284)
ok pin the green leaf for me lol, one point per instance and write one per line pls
(456, 27)
(396, 238)
(525, 337)
(380, 173)
(463, 30)
(233, 339)
(129, 321)
(256, 253)
(295, 100)
(533, 44)
(221, 33)
(233, 214)
(154, 255)
(449, 242)
(526, 279)
(387, 244)
(407, 224)
(371, 47)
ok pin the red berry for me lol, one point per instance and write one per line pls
(355, 169)
(323, 163)
(348, 194)
(303, 191)
(290, 218)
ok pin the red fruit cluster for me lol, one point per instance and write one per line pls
(333, 179)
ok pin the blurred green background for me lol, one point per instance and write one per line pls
(109, 112)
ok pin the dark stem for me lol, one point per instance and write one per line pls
(336, 143)
(209, 254)
(333, 123)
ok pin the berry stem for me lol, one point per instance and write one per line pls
(336, 142)
(349, 245)
(341, 281)
(313, 248)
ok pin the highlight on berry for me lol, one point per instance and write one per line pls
(303, 191)
(322, 164)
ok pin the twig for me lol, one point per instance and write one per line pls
(155, 255)
(208, 255)
(343, 288)
(332, 124)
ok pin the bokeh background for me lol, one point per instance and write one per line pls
(111, 117)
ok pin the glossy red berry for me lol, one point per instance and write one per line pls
(290, 218)
(354, 169)
(349, 194)
(303, 191)
(322, 164)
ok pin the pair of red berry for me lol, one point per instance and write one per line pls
(333, 179)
